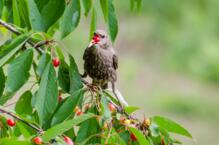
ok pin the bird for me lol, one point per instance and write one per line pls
(101, 60)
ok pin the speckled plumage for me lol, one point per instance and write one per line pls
(101, 63)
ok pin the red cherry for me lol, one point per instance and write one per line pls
(60, 99)
(11, 122)
(96, 39)
(68, 140)
(112, 107)
(133, 137)
(55, 62)
(79, 113)
(37, 140)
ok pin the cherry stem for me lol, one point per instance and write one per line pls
(21, 120)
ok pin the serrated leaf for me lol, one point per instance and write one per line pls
(52, 11)
(67, 108)
(105, 10)
(9, 49)
(75, 78)
(46, 98)
(23, 105)
(2, 81)
(93, 23)
(171, 126)
(35, 17)
(140, 137)
(87, 6)
(18, 71)
(63, 76)
(112, 21)
(131, 109)
(71, 18)
(64, 126)
(43, 61)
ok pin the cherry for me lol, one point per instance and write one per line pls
(60, 99)
(79, 113)
(96, 38)
(55, 62)
(11, 122)
(112, 107)
(68, 140)
(37, 140)
(133, 137)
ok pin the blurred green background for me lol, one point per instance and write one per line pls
(168, 61)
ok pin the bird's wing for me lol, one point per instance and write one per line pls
(115, 61)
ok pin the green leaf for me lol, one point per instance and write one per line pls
(35, 17)
(105, 10)
(105, 111)
(112, 21)
(71, 18)
(2, 81)
(43, 61)
(24, 15)
(88, 128)
(93, 23)
(87, 6)
(140, 137)
(46, 98)
(52, 11)
(1, 7)
(131, 109)
(16, 16)
(23, 130)
(67, 108)
(23, 105)
(18, 71)
(10, 141)
(64, 126)
(9, 49)
(171, 126)
(63, 76)
(75, 78)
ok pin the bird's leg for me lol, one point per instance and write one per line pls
(114, 92)
(84, 75)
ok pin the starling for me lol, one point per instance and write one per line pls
(100, 60)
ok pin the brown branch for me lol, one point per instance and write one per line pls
(15, 31)
(21, 120)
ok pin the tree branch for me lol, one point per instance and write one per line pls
(15, 31)
(21, 120)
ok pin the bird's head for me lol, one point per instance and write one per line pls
(100, 39)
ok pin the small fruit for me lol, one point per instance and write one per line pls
(127, 122)
(55, 62)
(112, 107)
(96, 38)
(37, 140)
(11, 122)
(79, 113)
(60, 99)
(68, 140)
(133, 137)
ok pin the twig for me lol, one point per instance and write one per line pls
(21, 120)
(15, 31)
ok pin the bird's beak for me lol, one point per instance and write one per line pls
(91, 44)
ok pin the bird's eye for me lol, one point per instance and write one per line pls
(102, 36)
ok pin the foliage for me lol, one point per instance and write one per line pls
(56, 102)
